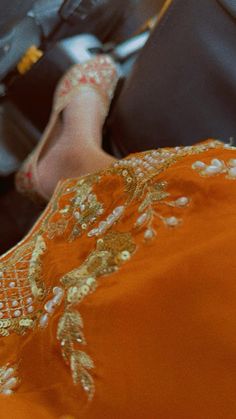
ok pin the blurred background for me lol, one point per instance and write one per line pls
(64, 32)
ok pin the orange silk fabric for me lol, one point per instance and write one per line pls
(161, 329)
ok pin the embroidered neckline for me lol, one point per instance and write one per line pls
(83, 214)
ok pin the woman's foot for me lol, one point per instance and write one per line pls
(76, 148)
(72, 143)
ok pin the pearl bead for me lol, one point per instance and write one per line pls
(11, 383)
(30, 309)
(172, 221)
(77, 215)
(118, 211)
(7, 392)
(43, 320)
(93, 232)
(14, 303)
(1, 314)
(17, 313)
(198, 165)
(49, 306)
(217, 163)
(57, 290)
(7, 374)
(142, 219)
(182, 202)
(12, 284)
(211, 170)
(110, 219)
(57, 299)
(1, 305)
(149, 234)
(29, 300)
(102, 226)
(232, 172)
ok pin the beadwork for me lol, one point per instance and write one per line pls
(76, 210)
(216, 167)
(9, 379)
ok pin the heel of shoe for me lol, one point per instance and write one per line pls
(26, 179)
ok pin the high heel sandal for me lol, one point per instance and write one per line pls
(100, 74)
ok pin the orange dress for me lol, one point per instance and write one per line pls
(121, 301)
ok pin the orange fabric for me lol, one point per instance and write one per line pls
(161, 328)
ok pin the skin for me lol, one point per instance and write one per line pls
(76, 146)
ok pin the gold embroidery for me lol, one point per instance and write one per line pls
(21, 288)
(111, 251)
(80, 211)
(74, 209)
(35, 268)
(71, 336)
(56, 228)
(156, 193)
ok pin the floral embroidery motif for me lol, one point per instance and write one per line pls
(21, 288)
(216, 167)
(111, 251)
(25, 301)
(71, 337)
(87, 206)
(156, 193)
(9, 379)
(80, 211)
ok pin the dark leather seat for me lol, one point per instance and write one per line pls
(183, 87)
